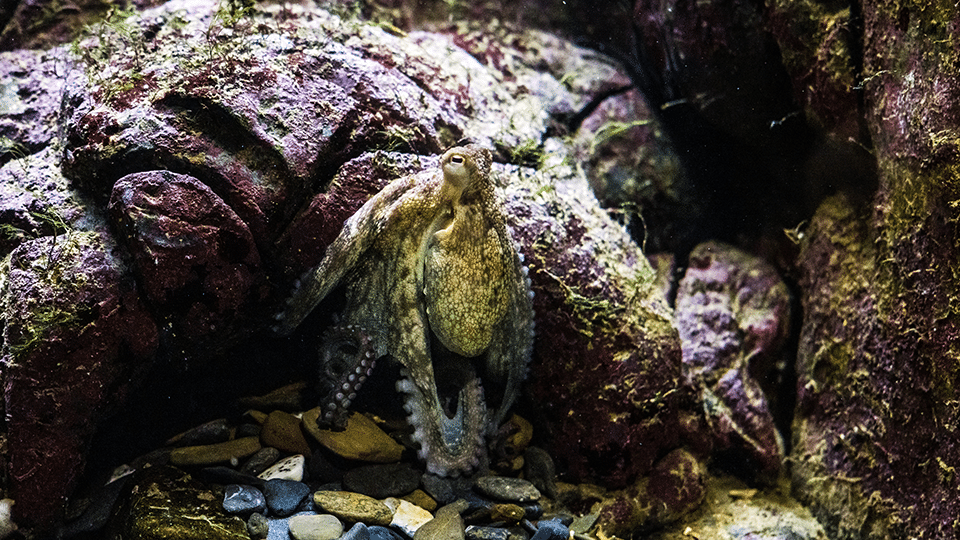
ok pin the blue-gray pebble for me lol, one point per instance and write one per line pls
(551, 529)
(377, 532)
(357, 532)
(239, 499)
(284, 496)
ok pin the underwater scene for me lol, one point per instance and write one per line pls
(491, 270)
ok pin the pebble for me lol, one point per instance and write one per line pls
(259, 462)
(284, 496)
(257, 526)
(362, 440)
(281, 430)
(315, 527)
(474, 532)
(439, 488)
(540, 471)
(248, 430)
(509, 513)
(280, 527)
(377, 532)
(551, 529)
(288, 468)
(382, 481)
(226, 476)
(239, 499)
(212, 454)
(421, 499)
(508, 489)
(447, 525)
(215, 431)
(353, 507)
(407, 516)
(359, 531)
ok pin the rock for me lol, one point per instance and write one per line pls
(257, 526)
(551, 530)
(315, 527)
(421, 499)
(474, 532)
(239, 499)
(439, 488)
(357, 532)
(94, 517)
(382, 481)
(377, 532)
(281, 430)
(538, 468)
(7, 526)
(362, 440)
(150, 208)
(507, 489)
(165, 502)
(226, 475)
(261, 461)
(214, 431)
(407, 516)
(446, 525)
(211, 454)
(284, 496)
(508, 513)
(733, 314)
(288, 468)
(247, 430)
(77, 338)
(280, 526)
(287, 398)
(350, 506)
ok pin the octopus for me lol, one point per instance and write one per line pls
(433, 280)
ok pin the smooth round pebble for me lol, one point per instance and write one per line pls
(551, 530)
(315, 527)
(439, 488)
(215, 431)
(377, 532)
(508, 489)
(359, 531)
(284, 496)
(289, 468)
(239, 499)
(261, 461)
(257, 526)
(447, 525)
(486, 533)
(353, 507)
(382, 481)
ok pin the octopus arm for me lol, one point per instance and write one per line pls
(357, 236)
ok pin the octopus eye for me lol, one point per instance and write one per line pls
(456, 159)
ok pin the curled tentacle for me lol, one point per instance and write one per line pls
(347, 358)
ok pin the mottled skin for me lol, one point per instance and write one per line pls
(433, 278)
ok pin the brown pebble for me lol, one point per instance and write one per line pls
(281, 430)
(420, 498)
(363, 440)
(509, 513)
(211, 454)
(353, 507)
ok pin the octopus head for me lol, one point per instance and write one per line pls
(465, 166)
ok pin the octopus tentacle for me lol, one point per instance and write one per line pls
(347, 358)
(449, 446)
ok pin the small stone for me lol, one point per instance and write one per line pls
(382, 481)
(284, 496)
(215, 453)
(248, 430)
(257, 526)
(532, 511)
(226, 476)
(215, 431)
(447, 525)
(551, 529)
(288, 468)
(439, 488)
(281, 430)
(239, 499)
(315, 527)
(539, 469)
(508, 489)
(260, 461)
(509, 513)
(377, 532)
(486, 533)
(407, 516)
(351, 506)
(362, 440)
(421, 499)
(359, 531)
